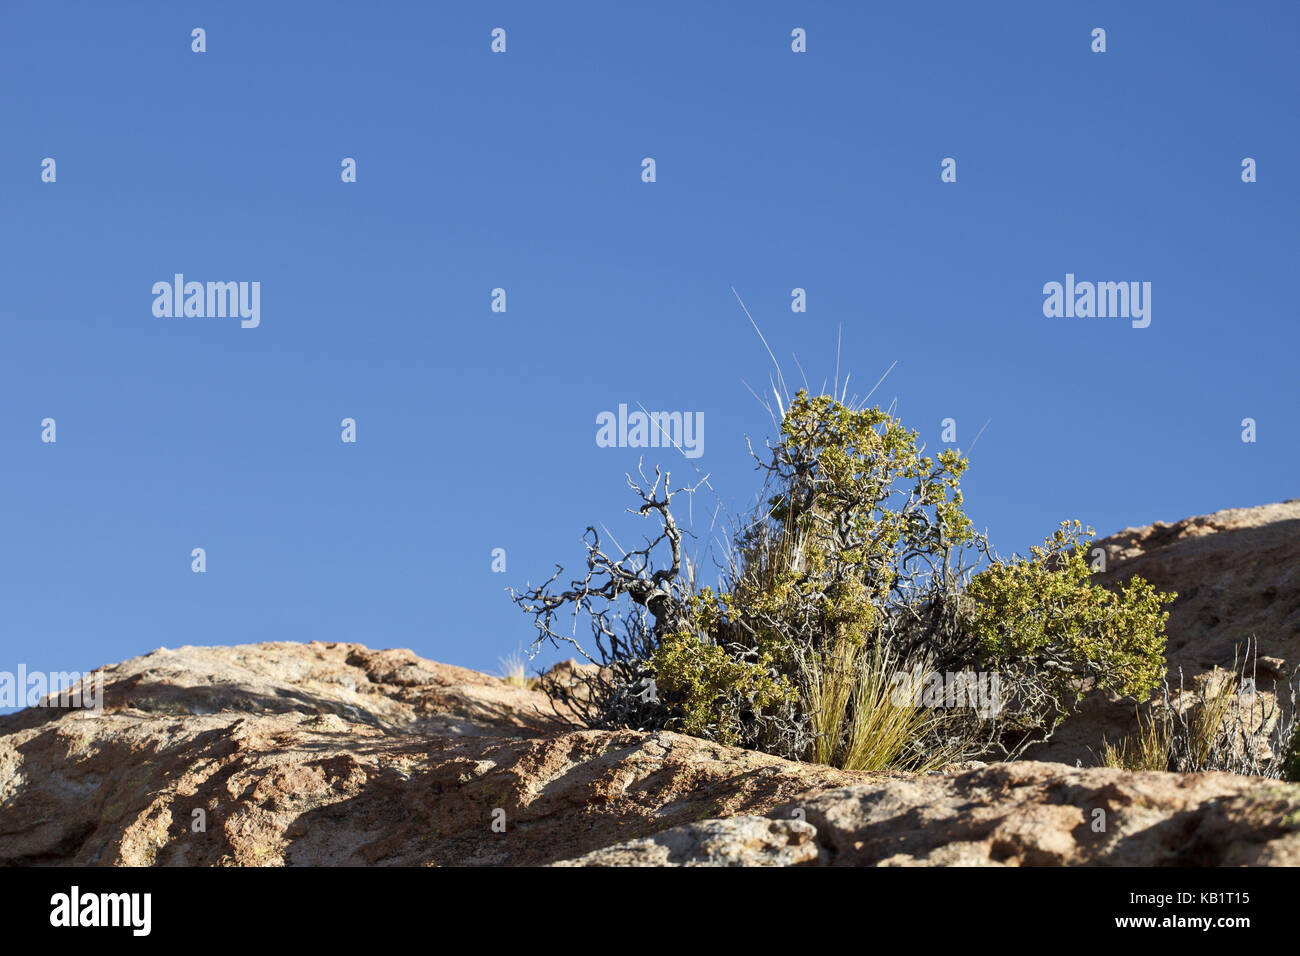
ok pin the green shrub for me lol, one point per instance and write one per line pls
(1043, 613)
(859, 564)
(715, 692)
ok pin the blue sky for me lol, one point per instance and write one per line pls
(522, 170)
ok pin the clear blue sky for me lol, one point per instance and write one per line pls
(476, 430)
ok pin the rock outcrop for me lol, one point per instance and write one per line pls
(336, 754)
(327, 754)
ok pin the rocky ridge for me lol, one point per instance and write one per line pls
(325, 754)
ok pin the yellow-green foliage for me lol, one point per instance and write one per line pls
(850, 463)
(849, 562)
(854, 501)
(1046, 606)
(854, 496)
(837, 470)
(713, 689)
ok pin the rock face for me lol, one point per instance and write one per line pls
(335, 754)
(1237, 574)
(1016, 814)
(326, 754)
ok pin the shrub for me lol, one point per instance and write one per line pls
(1055, 635)
(717, 694)
(855, 568)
